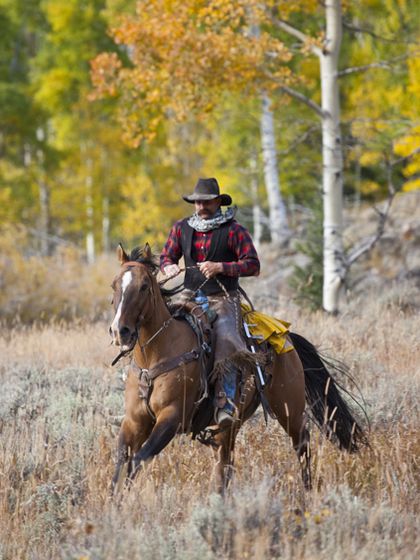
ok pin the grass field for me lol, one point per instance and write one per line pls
(60, 405)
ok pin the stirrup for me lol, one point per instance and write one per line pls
(206, 436)
(226, 419)
(223, 417)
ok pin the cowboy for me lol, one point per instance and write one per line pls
(217, 250)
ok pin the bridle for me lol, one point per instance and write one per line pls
(167, 322)
(139, 319)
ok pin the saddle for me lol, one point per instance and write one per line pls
(201, 324)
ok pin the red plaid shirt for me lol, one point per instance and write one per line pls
(239, 242)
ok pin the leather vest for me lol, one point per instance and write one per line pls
(218, 252)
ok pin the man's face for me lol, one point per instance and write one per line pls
(207, 208)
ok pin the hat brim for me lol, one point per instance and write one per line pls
(225, 199)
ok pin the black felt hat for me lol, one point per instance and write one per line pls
(207, 189)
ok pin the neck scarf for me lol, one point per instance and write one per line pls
(202, 225)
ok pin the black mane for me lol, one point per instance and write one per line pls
(138, 254)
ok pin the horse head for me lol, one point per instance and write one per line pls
(133, 300)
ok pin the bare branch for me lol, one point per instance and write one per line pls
(301, 97)
(368, 244)
(358, 29)
(387, 64)
(53, 238)
(298, 140)
(355, 69)
(298, 34)
(404, 159)
(248, 212)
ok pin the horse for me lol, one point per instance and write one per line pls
(164, 384)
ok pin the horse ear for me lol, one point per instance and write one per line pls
(147, 251)
(122, 255)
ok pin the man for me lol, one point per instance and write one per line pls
(217, 250)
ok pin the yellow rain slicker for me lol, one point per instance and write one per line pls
(273, 330)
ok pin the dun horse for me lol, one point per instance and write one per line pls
(165, 382)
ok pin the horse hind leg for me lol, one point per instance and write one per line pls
(286, 396)
(223, 452)
(303, 451)
(297, 429)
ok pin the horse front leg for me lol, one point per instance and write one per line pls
(122, 458)
(131, 437)
(167, 425)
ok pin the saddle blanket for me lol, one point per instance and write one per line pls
(267, 329)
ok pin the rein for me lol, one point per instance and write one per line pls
(168, 321)
(181, 286)
(162, 328)
(120, 355)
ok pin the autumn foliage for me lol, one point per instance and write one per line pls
(176, 94)
(183, 55)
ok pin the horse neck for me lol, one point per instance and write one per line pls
(155, 349)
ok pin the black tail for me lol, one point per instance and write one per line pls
(331, 413)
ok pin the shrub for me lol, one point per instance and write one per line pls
(307, 280)
(61, 287)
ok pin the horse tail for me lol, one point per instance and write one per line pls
(330, 412)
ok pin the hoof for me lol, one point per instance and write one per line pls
(307, 481)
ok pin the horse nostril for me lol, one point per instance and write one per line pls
(124, 332)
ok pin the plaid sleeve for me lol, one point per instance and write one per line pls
(240, 243)
(172, 250)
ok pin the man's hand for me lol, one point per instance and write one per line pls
(171, 270)
(210, 269)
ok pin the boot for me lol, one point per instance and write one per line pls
(225, 416)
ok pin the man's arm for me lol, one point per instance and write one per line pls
(240, 243)
(171, 252)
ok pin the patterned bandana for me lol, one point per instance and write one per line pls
(200, 224)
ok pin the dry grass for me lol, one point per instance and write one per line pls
(62, 287)
(58, 408)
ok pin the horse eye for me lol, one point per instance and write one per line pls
(144, 287)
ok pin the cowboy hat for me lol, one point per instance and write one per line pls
(207, 189)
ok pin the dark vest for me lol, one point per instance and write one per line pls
(219, 252)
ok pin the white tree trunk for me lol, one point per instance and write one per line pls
(43, 197)
(44, 216)
(332, 159)
(90, 239)
(279, 228)
(256, 214)
(105, 225)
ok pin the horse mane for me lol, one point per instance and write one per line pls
(138, 254)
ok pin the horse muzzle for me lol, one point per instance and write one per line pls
(123, 336)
